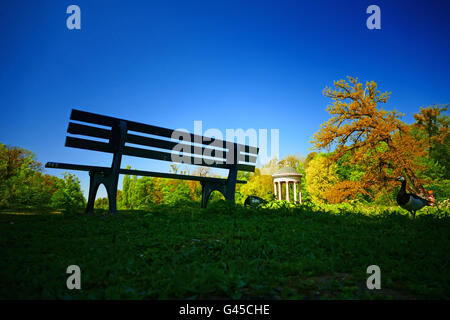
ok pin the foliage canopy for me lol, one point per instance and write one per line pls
(361, 133)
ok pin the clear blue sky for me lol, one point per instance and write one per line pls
(231, 64)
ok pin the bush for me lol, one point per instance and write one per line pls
(258, 185)
(441, 190)
(22, 183)
(68, 197)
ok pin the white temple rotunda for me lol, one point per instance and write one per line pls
(289, 176)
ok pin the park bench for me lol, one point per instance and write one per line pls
(123, 137)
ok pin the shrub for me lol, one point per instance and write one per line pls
(441, 190)
(68, 197)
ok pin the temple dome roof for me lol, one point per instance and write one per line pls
(286, 171)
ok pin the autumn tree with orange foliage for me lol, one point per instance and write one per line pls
(365, 135)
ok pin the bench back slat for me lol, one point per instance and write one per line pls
(93, 118)
(166, 156)
(131, 125)
(81, 129)
(247, 158)
(248, 149)
(149, 154)
(88, 144)
(169, 145)
(192, 154)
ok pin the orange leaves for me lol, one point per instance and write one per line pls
(343, 191)
(374, 138)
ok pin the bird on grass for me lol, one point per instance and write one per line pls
(409, 201)
(254, 201)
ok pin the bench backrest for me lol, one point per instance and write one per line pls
(182, 148)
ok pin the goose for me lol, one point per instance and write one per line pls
(254, 201)
(409, 201)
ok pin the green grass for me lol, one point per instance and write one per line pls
(224, 252)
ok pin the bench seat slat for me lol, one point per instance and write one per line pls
(78, 167)
(173, 176)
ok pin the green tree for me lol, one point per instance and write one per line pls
(68, 197)
(125, 190)
(258, 185)
(320, 176)
(101, 203)
(133, 197)
(144, 191)
(175, 192)
(290, 161)
(433, 124)
(22, 183)
(270, 167)
(309, 157)
(245, 176)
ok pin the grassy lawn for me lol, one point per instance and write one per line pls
(221, 252)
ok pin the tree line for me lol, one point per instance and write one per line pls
(24, 185)
(356, 155)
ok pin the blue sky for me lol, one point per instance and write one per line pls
(230, 64)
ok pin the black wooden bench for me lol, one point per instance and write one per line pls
(117, 132)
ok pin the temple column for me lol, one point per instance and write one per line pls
(279, 190)
(287, 190)
(300, 192)
(295, 192)
(275, 189)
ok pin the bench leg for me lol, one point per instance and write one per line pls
(111, 189)
(230, 187)
(230, 191)
(209, 187)
(94, 183)
(110, 183)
